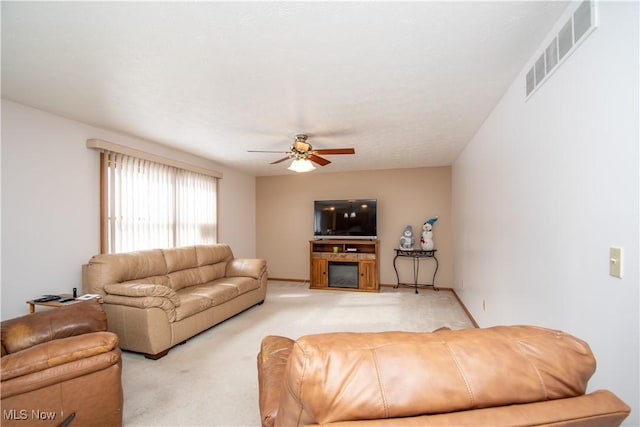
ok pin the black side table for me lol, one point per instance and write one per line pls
(416, 255)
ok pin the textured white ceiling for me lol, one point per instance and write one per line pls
(405, 83)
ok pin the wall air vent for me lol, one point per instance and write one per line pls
(580, 23)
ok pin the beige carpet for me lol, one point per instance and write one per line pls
(212, 379)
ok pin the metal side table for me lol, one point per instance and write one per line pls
(416, 255)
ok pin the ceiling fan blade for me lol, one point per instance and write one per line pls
(336, 151)
(281, 160)
(319, 160)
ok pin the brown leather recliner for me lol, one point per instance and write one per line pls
(61, 366)
(509, 375)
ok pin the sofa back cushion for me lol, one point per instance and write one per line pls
(32, 329)
(213, 260)
(180, 258)
(357, 376)
(182, 268)
(213, 254)
(105, 269)
(175, 267)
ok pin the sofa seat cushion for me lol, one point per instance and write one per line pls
(190, 304)
(217, 293)
(197, 298)
(242, 284)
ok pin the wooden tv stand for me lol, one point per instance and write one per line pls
(355, 257)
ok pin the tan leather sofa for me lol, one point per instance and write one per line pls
(511, 375)
(158, 298)
(61, 365)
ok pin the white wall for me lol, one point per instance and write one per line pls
(237, 212)
(543, 190)
(50, 203)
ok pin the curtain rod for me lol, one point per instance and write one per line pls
(102, 145)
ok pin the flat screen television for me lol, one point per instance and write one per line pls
(345, 219)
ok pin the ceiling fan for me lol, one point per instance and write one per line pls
(303, 154)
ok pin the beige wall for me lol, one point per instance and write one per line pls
(50, 203)
(284, 215)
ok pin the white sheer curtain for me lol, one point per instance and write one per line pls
(149, 205)
(195, 209)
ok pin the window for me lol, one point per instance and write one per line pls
(148, 205)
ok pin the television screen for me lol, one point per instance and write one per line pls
(353, 219)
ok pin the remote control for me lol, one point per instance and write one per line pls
(47, 298)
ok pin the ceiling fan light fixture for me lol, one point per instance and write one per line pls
(304, 155)
(301, 165)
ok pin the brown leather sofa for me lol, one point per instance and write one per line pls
(510, 375)
(156, 299)
(61, 366)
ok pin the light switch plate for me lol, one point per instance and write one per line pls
(615, 262)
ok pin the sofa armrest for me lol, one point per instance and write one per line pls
(144, 303)
(106, 365)
(246, 267)
(143, 290)
(32, 329)
(54, 353)
(272, 362)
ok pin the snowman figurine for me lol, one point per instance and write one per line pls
(426, 241)
(407, 240)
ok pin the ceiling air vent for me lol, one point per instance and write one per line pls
(565, 39)
(579, 25)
